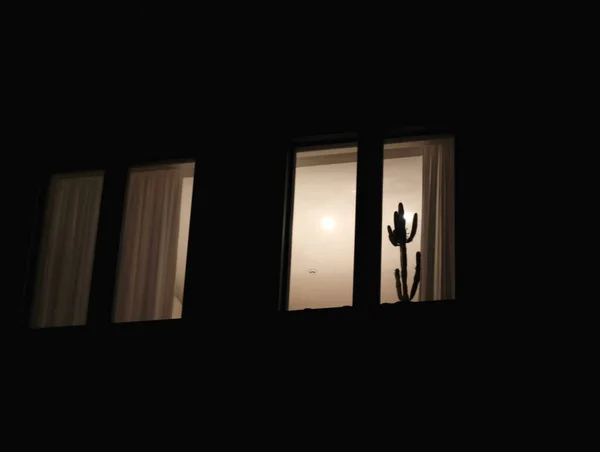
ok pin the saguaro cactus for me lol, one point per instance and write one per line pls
(400, 237)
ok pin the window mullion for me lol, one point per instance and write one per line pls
(368, 232)
(286, 236)
(34, 245)
(106, 254)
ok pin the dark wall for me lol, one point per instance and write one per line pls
(238, 223)
(109, 91)
(238, 203)
(236, 236)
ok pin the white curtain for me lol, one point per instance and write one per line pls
(148, 253)
(66, 261)
(438, 269)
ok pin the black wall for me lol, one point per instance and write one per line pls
(236, 236)
(108, 90)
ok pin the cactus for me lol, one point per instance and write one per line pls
(400, 237)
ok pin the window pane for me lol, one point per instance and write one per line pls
(420, 175)
(154, 243)
(322, 255)
(402, 183)
(66, 260)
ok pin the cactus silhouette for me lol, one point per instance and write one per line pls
(399, 237)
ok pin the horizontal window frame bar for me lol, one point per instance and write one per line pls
(317, 142)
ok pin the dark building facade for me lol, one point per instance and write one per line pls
(238, 255)
(243, 194)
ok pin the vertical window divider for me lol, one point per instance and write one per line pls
(106, 256)
(286, 236)
(34, 250)
(191, 310)
(368, 230)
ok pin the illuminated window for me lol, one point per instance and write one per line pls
(66, 259)
(322, 254)
(153, 251)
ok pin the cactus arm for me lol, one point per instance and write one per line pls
(413, 231)
(391, 236)
(417, 279)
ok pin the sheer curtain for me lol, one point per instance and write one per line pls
(148, 254)
(66, 260)
(438, 270)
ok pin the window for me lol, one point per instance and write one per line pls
(154, 239)
(138, 251)
(66, 255)
(402, 183)
(323, 221)
(420, 176)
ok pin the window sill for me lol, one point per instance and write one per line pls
(386, 311)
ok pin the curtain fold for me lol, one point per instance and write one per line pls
(148, 254)
(438, 270)
(64, 270)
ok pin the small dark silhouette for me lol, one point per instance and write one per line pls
(399, 237)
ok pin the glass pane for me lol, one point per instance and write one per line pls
(66, 260)
(322, 255)
(154, 242)
(402, 183)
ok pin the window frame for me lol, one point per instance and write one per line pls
(368, 232)
(304, 144)
(106, 303)
(366, 294)
(108, 239)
